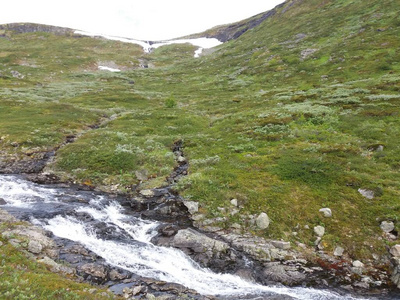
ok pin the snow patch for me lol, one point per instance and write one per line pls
(202, 43)
(104, 68)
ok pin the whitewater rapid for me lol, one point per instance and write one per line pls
(134, 252)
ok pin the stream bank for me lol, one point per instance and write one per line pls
(251, 258)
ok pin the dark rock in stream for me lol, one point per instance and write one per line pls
(146, 288)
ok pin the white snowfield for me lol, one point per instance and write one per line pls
(202, 43)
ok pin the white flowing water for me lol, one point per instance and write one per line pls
(137, 255)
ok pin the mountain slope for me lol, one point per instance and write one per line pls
(297, 114)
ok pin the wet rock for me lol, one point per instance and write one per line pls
(192, 206)
(168, 230)
(44, 178)
(327, 212)
(94, 270)
(169, 287)
(115, 275)
(245, 274)
(78, 249)
(207, 251)
(387, 226)
(2, 201)
(319, 231)
(262, 221)
(276, 272)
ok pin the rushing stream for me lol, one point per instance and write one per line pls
(75, 215)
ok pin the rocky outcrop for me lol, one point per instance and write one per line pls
(233, 31)
(34, 241)
(395, 252)
(31, 27)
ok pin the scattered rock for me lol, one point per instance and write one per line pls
(181, 159)
(387, 226)
(326, 211)
(358, 264)
(281, 245)
(95, 270)
(367, 193)
(234, 202)
(262, 221)
(361, 285)
(34, 247)
(49, 262)
(115, 275)
(338, 251)
(358, 267)
(319, 231)
(192, 206)
(17, 74)
(395, 251)
(147, 193)
(306, 53)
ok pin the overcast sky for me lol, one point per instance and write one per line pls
(140, 19)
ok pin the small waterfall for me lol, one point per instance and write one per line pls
(135, 252)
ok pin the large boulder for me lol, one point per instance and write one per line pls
(198, 242)
(205, 250)
(387, 226)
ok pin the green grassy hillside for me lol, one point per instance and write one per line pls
(295, 115)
